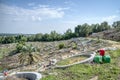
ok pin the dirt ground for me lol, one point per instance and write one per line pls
(14, 78)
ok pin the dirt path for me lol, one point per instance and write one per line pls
(114, 44)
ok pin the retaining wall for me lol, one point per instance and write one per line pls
(29, 75)
(88, 60)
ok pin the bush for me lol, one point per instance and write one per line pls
(61, 45)
(22, 47)
(74, 46)
(19, 46)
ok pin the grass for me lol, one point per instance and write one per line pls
(107, 71)
(1, 68)
(6, 49)
(71, 60)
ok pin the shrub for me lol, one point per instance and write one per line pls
(74, 46)
(61, 45)
(19, 46)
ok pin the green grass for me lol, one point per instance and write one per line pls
(1, 68)
(71, 60)
(107, 71)
(7, 49)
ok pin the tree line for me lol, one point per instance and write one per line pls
(83, 30)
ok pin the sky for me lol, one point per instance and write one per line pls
(44, 16)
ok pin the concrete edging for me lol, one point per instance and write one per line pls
(88, 60)
(29, 75)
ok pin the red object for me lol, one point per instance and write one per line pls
(102, 52)
(5, 73)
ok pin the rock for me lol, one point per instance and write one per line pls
(94, 78)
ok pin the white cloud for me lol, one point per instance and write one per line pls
(71, 22)
(38, 13)
(109, 18)
(31, 4)
(70, 3)
(42, 6)
(34, 18)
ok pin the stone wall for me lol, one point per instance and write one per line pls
(29, 75)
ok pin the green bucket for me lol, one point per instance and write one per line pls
(98, 59)
(106, 59)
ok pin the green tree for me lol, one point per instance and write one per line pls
(19, 46)
(38, 37)
(0, 39)
(21, 38)
(10, 39)
(104, 25)
(27, 56)
(53, 36)
(95, 27)
(83, 30)
(3, 40)
(31, 38)
(69, 34)
(116, 25)
(45, 37)
(77, 31)
(86, 30)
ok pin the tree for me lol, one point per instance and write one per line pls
(0, 39)
(19, 46)
(45, 37)
(10, 39)
(60, 37)
(27, 56)
(53, 36)
(104, 25)
(95, 27)
(3, 41)
(68, 34)
(31, 38)
(83, 30)
(116, 25)
(77, 31)
(38, 37)
(21, 38)
(86, 30)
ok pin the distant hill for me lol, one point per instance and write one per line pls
(12, 34)
(113, 34)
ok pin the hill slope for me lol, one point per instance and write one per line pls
(112, 34)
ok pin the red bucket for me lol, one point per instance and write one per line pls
(102, 52)
(5, 73)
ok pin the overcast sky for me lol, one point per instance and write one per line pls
(43, 16)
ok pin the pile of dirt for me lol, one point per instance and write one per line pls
(112, 34)
(10, 62)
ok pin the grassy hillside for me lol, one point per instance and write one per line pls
(51, 50)
(109, 71)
